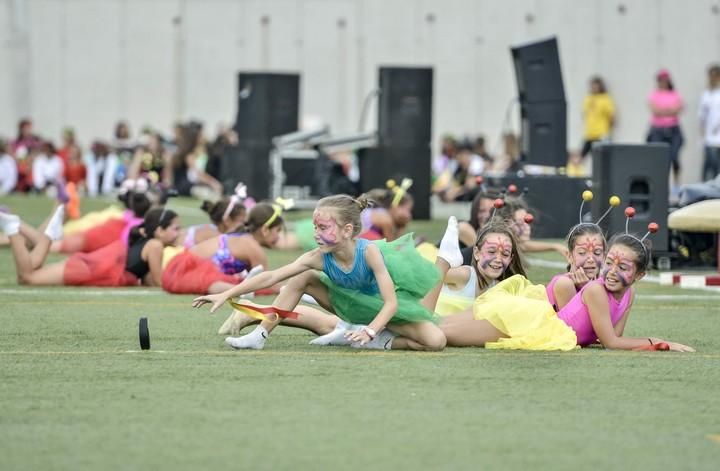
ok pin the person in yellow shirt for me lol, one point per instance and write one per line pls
(598, 113)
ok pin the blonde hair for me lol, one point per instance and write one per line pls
(347, 209)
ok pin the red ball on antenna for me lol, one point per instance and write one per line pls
(653, 227)
(479, 180)
(498, 203)
(512, 188)
(529, 218)
(630, 212)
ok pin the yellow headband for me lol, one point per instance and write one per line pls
(398, 191)
(279, 206)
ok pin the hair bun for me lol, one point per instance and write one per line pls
(363, 201)
(207, 206)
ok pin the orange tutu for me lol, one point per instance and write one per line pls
(189, 274)
(104, 267)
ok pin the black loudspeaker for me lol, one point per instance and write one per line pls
(544, 133)
(248, 163)
(405, 106)
(638, 174)
(554, 201)
(538, 73)
(268, 105)
(378, 164)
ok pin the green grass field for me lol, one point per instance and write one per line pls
(76, 394)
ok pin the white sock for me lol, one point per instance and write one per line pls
(54, 229)
(336, 337)
(9, 223)
(255, 340)
(307, 299)
(450, 244)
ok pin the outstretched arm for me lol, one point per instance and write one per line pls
(596, 300)
(308, 261)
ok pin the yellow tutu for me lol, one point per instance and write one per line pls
(92, 219)
(521, 310)
(449, 303)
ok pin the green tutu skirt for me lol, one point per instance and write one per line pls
(412, 275)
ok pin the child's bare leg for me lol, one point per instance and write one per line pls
(312, 319)
(288, 299)
(449, 256)
(463, 330)
(40, 244)
(422, 336)
(51, 275)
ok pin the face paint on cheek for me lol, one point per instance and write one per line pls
(487, 258)
(328, 235)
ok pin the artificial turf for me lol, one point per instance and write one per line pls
(76, 392)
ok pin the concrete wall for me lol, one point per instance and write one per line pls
(87, 63)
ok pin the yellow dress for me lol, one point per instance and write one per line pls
(521, 310)
(92, 219)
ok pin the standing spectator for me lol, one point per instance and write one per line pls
(666, 104)
(710, 123)
(8, 170)
(47, 167)
(598, 113)
(101, 169)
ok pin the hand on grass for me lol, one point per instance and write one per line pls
(217, 300)
(678, 347)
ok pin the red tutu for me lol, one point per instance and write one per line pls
(104, 267)
(189, 274)
(103, 234)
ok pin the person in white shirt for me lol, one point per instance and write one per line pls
(47, 167)
(710, 123)
(8, 170)
(102, 168)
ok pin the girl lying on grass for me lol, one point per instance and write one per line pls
(516, 314)
(375, 284)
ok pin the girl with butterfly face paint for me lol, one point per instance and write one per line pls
(495, 257)
(374, 287)
(586, 251)
(515, 314)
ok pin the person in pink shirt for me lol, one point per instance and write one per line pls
(666, 104)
